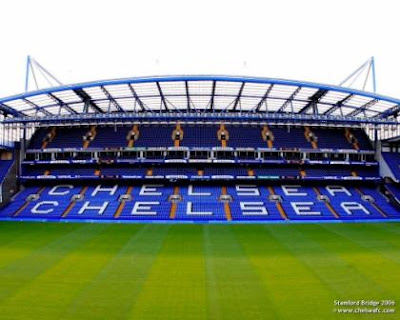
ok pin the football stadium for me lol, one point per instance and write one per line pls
(199, 197)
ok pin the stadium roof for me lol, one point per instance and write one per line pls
(198, 94)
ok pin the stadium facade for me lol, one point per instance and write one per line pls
(200, 149)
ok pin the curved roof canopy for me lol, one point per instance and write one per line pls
(199, 94)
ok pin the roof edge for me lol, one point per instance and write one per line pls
(228, 78)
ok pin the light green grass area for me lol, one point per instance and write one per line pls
(113, 271)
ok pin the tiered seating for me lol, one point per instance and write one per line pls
(338, 171)
(301, 203)
(110, 137)
(331, 138)
(293, 138)
(393, 161)
(154, 136)
(37, 138)
(68, 138)
(245, 137)
(363, 141)
(190, 170)
(334, 171)
(292, 171)
(20, 197)
(313, 171)
(200, 136)
(186, 171)
(150, 202)
(33, 171)
(362, 209)
(123, 171)
(233, 171)
(380, 201)
(79, 171)
(200, 203)
(394, 188)
(58, 171)
(47, 209)
(5, 165)
(98, 203)
(249, 202)
(372, 171)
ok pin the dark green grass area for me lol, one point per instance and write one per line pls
(113, 271)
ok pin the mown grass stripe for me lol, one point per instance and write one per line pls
(175, 285)
(235, 290)
(111, 294)
(338, 274)
(20, 273)
(62, 282)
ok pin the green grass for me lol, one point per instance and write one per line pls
(111, 271)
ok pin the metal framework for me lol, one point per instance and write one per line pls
(189, 97)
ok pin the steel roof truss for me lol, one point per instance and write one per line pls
(187, 96)
(62, 104)
(137, 99)
(263, 99)
(314, 99)
(38, 109)
(362, 109)
(212, 95)
(163, 101)
(338, 105)
(88, 101)
(289, 100)
(237, 100)
(114, 103)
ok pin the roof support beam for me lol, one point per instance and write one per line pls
(112, 100)
(363, 108)
(187, 96)
(62, 104)
(164, 102)
(263, 99)
(38, 109)
(394, 111)
(7, 110)
(137, 99)
(292, 96)
(237, 100)
(212, 95)
(337, 105)
(88, 100)
(315, 98)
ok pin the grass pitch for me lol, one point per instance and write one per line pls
(110, 271)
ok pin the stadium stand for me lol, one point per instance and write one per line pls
(177, 154)
(68, 138)
(5, 165)
(151, 136)
(393, 161)
(331, 138)
(155, 136)
(289, 137)
(110, 137)
(204, 202)
(201, 202)
(250, 137)
(200, 136)
(363, 142)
